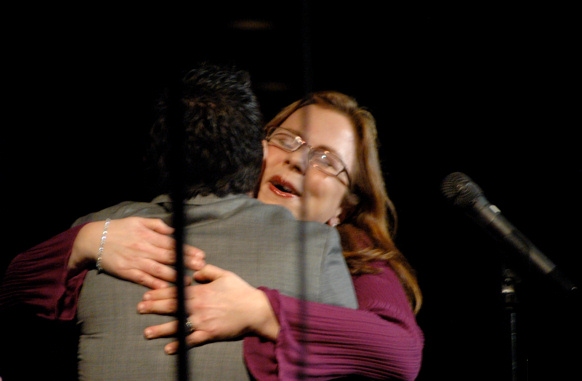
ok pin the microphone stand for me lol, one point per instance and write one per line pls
(510, 303)
(177, 194)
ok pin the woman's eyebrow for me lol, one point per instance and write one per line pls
(321, 146)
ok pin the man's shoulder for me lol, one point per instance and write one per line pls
(124, 209)
(279, 214)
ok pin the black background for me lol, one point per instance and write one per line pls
(488, 89)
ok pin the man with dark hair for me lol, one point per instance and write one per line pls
(221, 152)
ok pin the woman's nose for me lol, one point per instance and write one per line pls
(299, 159)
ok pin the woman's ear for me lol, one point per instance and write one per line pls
(334, 221)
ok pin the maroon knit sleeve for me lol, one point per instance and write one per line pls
(380, 340)
(38, 279)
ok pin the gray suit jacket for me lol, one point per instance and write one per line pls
(264, 244)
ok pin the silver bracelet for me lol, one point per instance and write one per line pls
(100, 252)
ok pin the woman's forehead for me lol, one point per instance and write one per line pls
(314, 119)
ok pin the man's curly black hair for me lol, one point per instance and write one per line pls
(222, 130)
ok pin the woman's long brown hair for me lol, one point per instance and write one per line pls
(369, 221)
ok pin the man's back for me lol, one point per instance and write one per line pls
(263, 244)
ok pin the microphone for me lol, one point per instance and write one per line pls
(463, 193)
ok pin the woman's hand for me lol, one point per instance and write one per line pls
(224, 308)
(137, 249)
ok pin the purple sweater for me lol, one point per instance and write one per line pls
(380, 340)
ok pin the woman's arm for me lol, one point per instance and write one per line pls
(138, 249)
(39, 279)
(380, 340)
(46, 279)
(290, 337)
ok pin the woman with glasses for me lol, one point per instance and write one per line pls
(322, 164)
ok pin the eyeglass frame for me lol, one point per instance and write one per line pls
(310, 153)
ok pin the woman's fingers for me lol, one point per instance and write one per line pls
(170, 329)
(209, 273)
(161, 330)
(160, 301)
(142, 251)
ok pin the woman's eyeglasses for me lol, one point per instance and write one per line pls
(325, 161)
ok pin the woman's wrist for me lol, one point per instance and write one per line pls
(86, 246)
(268, 326)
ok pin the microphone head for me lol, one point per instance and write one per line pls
(460, 190)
